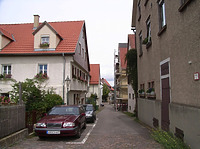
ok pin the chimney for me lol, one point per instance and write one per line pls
(36, 21)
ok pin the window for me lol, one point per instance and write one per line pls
(7, 69)
(83, 52)
(45, 39)
(80, 48)
(148, 24)
(184, 4)
(139, 11)
(162, 18)
(129, 95)
(140, 40)
(132, 96)
(43, 68)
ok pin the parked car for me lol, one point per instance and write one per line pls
(62, 121)
(90, 113)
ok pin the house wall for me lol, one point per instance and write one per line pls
(53, 39)
(179, 43)
(23, 67)
(95, 89)
(3, 41)
(82, 59)
(131, 99)
(187, 119)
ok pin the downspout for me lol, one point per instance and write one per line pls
(64, 62)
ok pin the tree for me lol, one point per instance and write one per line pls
(106, 91)
(131, 59)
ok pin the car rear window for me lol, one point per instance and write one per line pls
(89, 108)
(64, 111)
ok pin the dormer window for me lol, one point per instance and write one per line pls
(44, 41)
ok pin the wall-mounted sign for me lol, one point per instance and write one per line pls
(196, 76)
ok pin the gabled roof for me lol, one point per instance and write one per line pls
(6, 34)
(94, 73)
(103, 80)
(122, 54)
(24, 39)
(43, 24)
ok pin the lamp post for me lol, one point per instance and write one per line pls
(67, 80)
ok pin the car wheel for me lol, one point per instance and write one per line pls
(84, 126)
(78, 135)
(93, 120)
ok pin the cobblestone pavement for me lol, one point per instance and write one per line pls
(112, 130)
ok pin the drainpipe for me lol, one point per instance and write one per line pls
(64, 62)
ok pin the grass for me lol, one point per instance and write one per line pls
(168, 140)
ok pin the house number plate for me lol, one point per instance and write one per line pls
(53, 132)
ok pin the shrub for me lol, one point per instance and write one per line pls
(168, 140)
(51, 100)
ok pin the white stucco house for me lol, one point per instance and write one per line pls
(95, 83)
(56, 49)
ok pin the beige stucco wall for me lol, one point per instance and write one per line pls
(149, 109)
(4, 41)
(53, 38)
(179, 43)
(187, 119)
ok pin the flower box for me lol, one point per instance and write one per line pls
(43, 45)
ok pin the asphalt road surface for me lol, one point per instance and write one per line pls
(112, 130)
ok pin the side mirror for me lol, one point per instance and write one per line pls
(83, 114)
(45, 114)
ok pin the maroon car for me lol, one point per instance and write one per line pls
(62, 121)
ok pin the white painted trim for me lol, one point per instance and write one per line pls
(165, 76)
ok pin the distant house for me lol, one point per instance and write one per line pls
(131, 94)
(95, 83)
(120, 75)
(110, 95)
(56, 50)
(167, 39)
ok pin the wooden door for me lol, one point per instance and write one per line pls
(165, 122)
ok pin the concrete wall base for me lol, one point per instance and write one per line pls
(13, 138)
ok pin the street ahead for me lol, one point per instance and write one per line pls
(112, 130)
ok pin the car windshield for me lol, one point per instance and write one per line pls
(89, 108)
(64, 111)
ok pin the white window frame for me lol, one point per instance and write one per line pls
(43, 68)
(148, 24)
(162, 13)
(7, 69)
(45, 39)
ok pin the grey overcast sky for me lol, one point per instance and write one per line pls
(108, 22)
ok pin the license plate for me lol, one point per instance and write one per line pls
(53, 132)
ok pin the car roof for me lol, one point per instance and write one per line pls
(68, 106)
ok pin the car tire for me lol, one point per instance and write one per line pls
(78, 135)
(84, 126)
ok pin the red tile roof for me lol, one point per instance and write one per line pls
(131, 41)
(122, 54)
(94, 73)
(106, 82)
(5, 33)
(24, 39)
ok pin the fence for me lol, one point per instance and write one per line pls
(12, 119)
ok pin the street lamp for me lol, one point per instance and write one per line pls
(67, 80)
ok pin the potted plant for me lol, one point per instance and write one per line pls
(145, 41)
(141, 93)
(45, 44)
(151, 93)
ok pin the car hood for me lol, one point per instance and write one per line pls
(58, 118)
